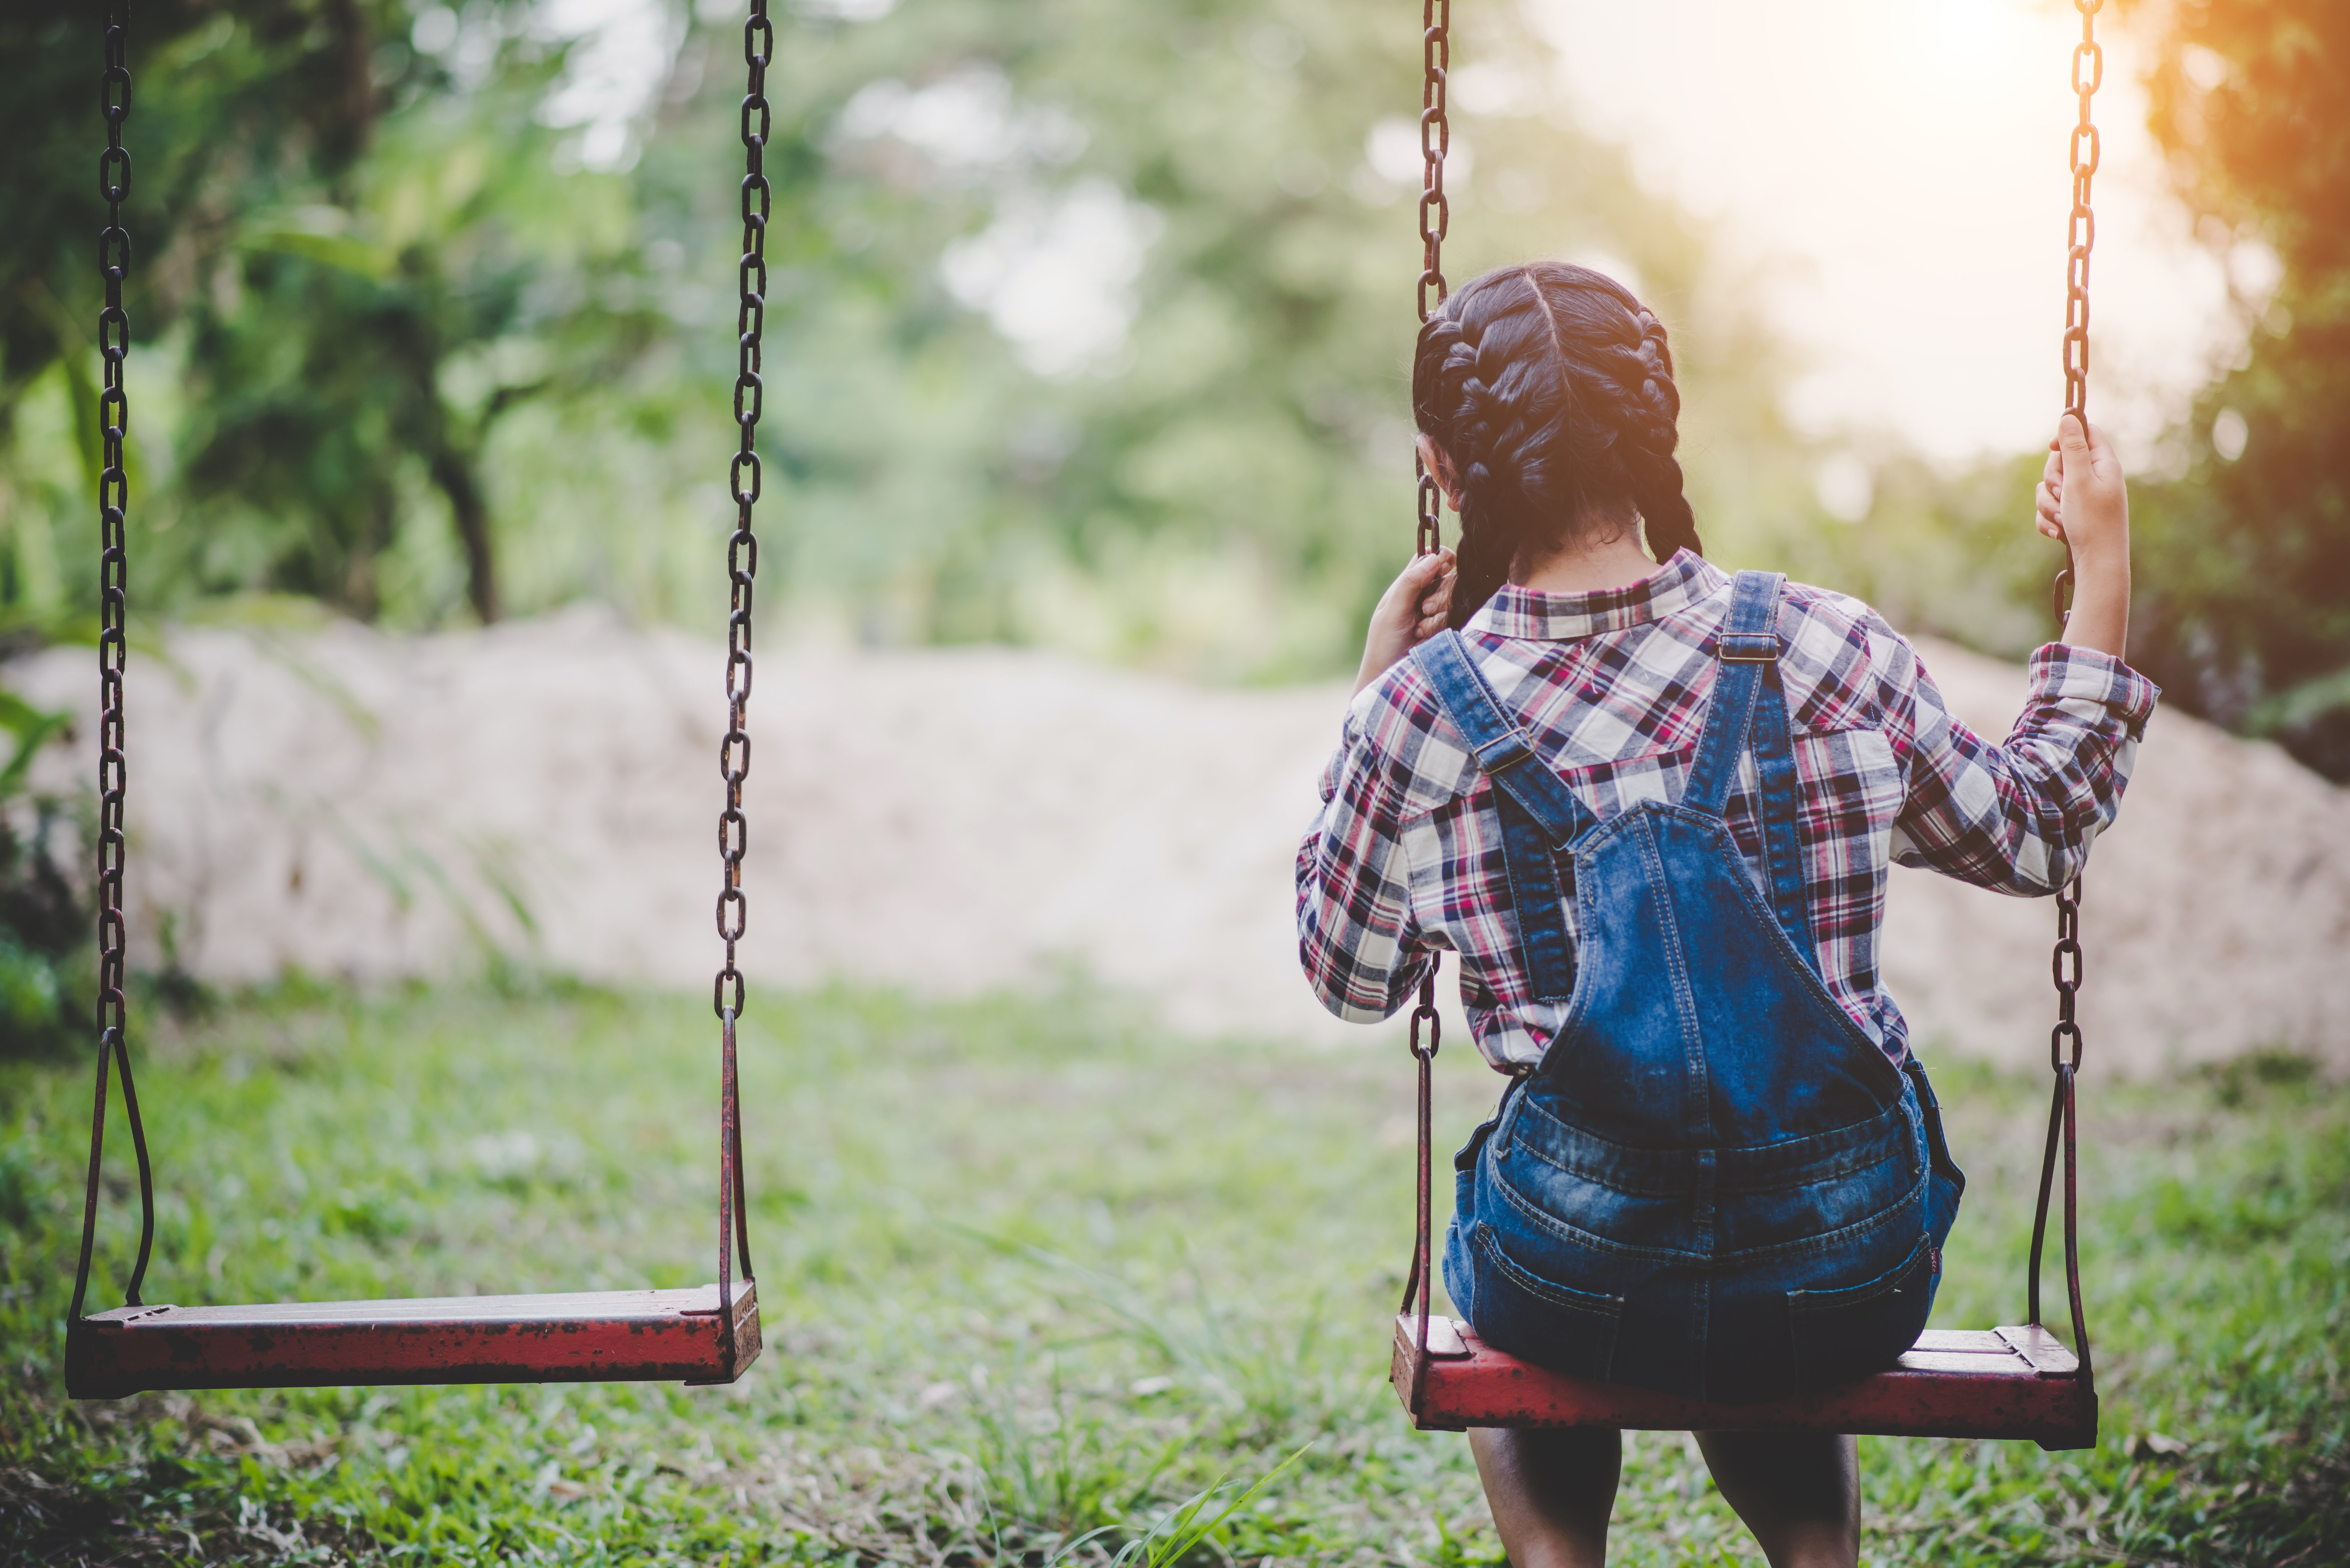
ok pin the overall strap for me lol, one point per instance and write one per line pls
(1540, 817)
(1748, 710)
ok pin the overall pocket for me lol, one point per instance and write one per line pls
(1840, 1336)
(1464, 1164)
(1551, 1325)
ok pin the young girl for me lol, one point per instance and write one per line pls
(1651, 806)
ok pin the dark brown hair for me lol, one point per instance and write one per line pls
(1551, 389)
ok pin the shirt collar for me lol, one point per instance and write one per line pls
(1513, 611)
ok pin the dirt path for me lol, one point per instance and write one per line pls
(359, 805)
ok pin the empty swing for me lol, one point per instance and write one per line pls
(2011, 1382)
(707, 1334)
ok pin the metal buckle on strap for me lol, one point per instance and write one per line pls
(1748, 647)
(1499, 757)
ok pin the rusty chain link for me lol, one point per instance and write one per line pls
(2080, 234)
(2064, 968)
(1435, 218)
(743, 484)
(2081, 228)
(113, 505)
(755, 122)
(1435, 141)
(2064, 962)
(113, 648)
(1435, 210)
(2085, 150)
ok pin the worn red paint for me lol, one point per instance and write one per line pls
(2008, 1383)
(585, 1336)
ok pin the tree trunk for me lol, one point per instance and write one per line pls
(455, 474)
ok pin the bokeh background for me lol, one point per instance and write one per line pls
(1086, 331)
(1089, 335)
(1087, 453)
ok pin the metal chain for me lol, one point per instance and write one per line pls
(2084, 151)
(2064, 967)
(1419, 1287)
(2080, 235)
(113, 503)
(2081, 230)
(1435, 218)
(743, 481)
(2064, 962)
(113, 646)
(756, 122)
(1435, 210)
(1435, 141)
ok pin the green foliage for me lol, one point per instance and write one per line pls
(1233, 484)
(1224, 488)
(1036, 1281)
(350, 352)
(2246, 562)
(44, 915)
(215, 98)
(398, 351)
(344, 273)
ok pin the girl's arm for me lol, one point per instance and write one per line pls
(1358, 937)
(2019, 817)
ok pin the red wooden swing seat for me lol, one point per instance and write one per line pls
(707, 1334)
(2006, 1383)
(582, 1337)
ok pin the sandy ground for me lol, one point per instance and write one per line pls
(360, 805)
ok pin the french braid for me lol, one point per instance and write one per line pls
(1551, 389)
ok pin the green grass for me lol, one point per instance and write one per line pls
(1031, 1272)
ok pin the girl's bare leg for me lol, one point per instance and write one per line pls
(1799, 1492)
(1551, 1492)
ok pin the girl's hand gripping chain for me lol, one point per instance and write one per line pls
(1413, 609)
(2083, 502)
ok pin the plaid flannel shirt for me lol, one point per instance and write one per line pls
(1405, 857)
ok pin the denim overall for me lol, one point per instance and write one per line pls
(1715, 1184)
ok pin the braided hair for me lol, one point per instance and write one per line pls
(1551, 389)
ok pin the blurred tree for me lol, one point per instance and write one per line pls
(1090, 323)
(221, 106)
(305, 82)
(1193, 225)
(347, 234)
(382, 321)
(2246, 561)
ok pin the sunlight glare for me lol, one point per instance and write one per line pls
(1897, 172)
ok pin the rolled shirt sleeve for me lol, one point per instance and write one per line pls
(2019, 816)
(1357, 938)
